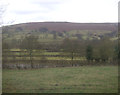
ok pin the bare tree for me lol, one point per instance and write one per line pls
(2, 10)
(30, 43)
(71, 47)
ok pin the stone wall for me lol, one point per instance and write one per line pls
(52, 63)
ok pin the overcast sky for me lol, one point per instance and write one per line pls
(22, 11)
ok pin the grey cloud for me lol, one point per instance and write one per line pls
(44, 6)
(46, 1)
(27, 12)
(48, 4)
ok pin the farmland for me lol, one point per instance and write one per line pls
(85, 79)
(53, 32)
(60, 57)
(54, 36)
(37, 55)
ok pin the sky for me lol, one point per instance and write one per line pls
(80, 11)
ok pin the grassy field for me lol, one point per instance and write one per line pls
(86, 79)
(17, 54)
(48, 37)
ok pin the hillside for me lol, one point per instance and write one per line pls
(65, 26)
(57, 31)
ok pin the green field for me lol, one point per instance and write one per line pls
(85, 79)
(49, 38)
(17, 54)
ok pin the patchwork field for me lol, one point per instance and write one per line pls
(17, 54)
(85, 79)
(60, 57)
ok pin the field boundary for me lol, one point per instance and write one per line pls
(52, 63)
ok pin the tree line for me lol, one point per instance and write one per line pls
(94, 50)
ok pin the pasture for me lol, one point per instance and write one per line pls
(84, 79)
(49, 37)
(17, 54)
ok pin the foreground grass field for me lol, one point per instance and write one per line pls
(86, 79)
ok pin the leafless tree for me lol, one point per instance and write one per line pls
(30, 43)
